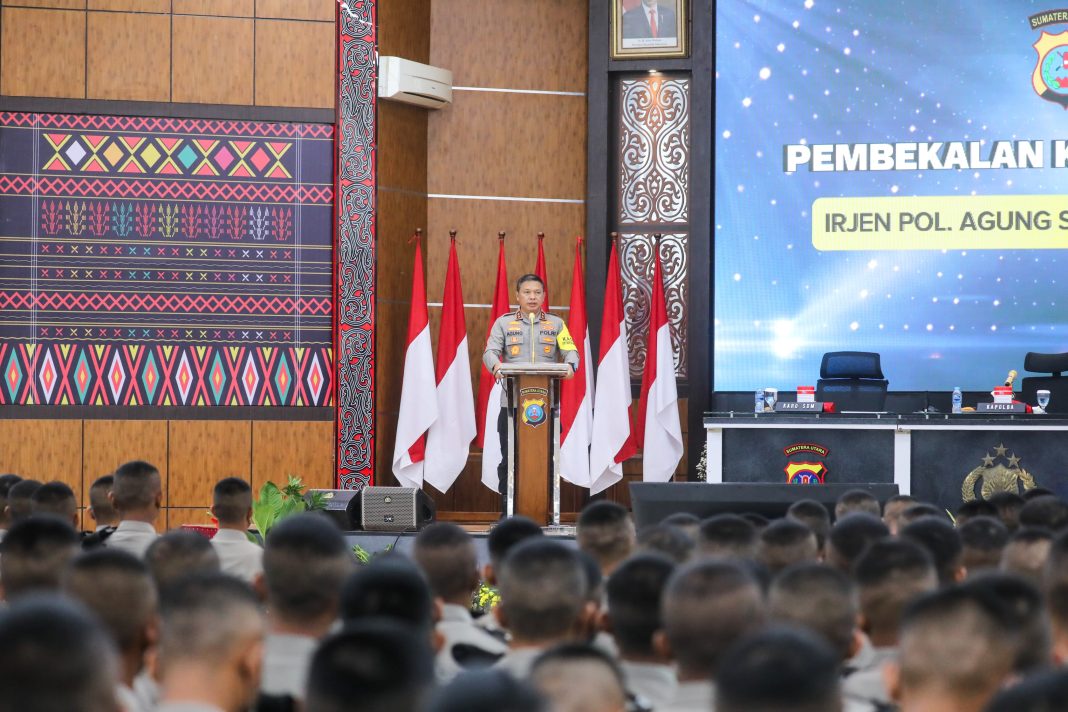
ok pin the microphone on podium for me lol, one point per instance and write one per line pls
(1011, 377)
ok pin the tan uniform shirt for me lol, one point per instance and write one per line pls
(513, 340)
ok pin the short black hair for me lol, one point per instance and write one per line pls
(1046, 511)
(55, 498)
(851, 534)
(35, 552)
(813, 515)
(1035, 492)
(446, 554)
(857, 500)
(54, 657)
(231, 499)
(1009, 505)
(601, 680)
(1043, 692)
(1025, 614)
(98, 497)
(368, 666)
(785, 542)
(487, 691)
(781, 669)
(679, 519)
(605, 531)
(729, 535)
(305, 562)
(975, 508)
(942, 542)
(6, 483)
(543, 587)
(919, 511)
(634, 593)
(205, 614)
(388, 587)
(889, 574)
(20, 498)
(819, 598)
(118, 587)
(136, 485)
(984, 538)
(529, 278)
(506, 533)
(666, 539)
(179, 553)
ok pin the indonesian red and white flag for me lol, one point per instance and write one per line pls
(418, 404)
(539, 269)
(576, 394)
(451, 433)
(489, 389)
(658, 430)
(611, 442)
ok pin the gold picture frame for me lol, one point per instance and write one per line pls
(634, 35)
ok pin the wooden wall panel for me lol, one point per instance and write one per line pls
(523, 145)
(322, 10)
(55, 4)
(177, 516)
(225, 8)
(202, 452)
(294, 63)
(301, 448)
(402, 147)
(157, 6)
(43, 450)
(404, 30)
(26, 69)
(129, 56)
(538, 45)
(110, 443)
(212, 60)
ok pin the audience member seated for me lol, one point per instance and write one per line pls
(671, 541)
(178, 554)
(446, 554)
(957, 649)
(34, 555)
(54, 657)
(857, 500)
(1036, 492)
(1047, 512)
(372, 665)
(890, 574)
(305, 563)
(579, 678)
(1026, 614)
(706, 607)
(759, 521)
(919, 511)
(1044, 692)
(814, 516)
(137, 496)
(850, 536)
(392, 588)
(1026, 553)
(543, 591)
(57, 499)
(943, 543)
(232, 509)
(118, 588)
(972, 509)
(984, 539)
(727, 536)
(6, 483)
(894, 508)
(20, 499)
(502, 538)
(605, 531)
(686, 521)
(822, 600)
(211, 646)
(487, 691)
(778, 670)
(102, 512)
(1008, 505)
(635, 591)
(786, 542)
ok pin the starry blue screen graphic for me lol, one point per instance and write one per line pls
(821, 72)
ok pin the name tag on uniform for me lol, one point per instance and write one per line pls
(548, 339)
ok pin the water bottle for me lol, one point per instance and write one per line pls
(958, 399)
(758, 405)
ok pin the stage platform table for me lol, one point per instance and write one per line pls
(934, 457)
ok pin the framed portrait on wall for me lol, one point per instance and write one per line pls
(648, 28)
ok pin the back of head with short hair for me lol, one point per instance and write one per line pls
(974, 508)
(779, 670)
(634, 593)
(446, 554)
(1043, 692)
(543, 591)
(487, 691)
(388, 587)
(305, 562)
(1008, 505)
(857, 500)
(103, 510)
(850, 536)
(819, 598)
(671, 541)
(54, 657)
(1024, 613)
(941, 541)
(579, 678)
(605, 531)
(55, 498)
(118, 588)
(814, 516)
(34, 554)
(706, 607)
(231, 501)
(179, 553)
(786, 542)
(983, 538)
(20, 499)
(507, 533)
(1046, 511)
(136, 487)
(1026, 553)
(205, 616)
(890, 574)
(727, 536)
(6, 483)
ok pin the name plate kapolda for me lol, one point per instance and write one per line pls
(1009, 408)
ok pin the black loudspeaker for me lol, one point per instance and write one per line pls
(652, 501)
(392, 509)
(337, 506)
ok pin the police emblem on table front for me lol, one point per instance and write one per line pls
(534, 411)
(1000, 472)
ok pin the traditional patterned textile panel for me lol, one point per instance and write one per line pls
(165, 261)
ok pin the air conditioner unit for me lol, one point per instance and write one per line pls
(413, 83)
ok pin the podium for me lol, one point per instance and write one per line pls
(533, 440)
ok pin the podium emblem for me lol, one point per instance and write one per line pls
(534, 411)
(993, 476)
(1050, 76)
(805, 473)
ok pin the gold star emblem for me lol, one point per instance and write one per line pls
(988, 461)
(1000, 450)
(1013, 460)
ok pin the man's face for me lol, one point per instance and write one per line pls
(530, 296)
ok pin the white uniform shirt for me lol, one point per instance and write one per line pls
(134, 537)
(238, 556)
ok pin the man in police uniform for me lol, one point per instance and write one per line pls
(528, 335)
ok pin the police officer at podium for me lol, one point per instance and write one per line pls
(528, 335)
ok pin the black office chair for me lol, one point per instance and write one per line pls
(1055, 365)
(852, 380)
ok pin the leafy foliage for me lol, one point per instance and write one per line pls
(274, 504)
(485, 598)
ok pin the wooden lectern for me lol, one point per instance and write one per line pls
(533, 440)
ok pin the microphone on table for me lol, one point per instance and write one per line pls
(1011, 377)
